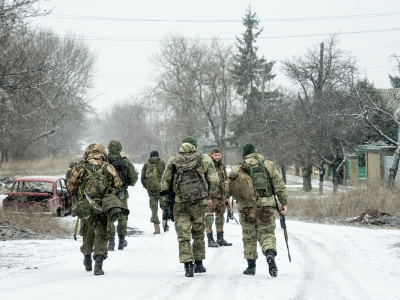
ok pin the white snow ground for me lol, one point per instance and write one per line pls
(328, 262)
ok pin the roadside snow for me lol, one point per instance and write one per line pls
(328, 262)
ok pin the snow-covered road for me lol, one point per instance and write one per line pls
(328, 262)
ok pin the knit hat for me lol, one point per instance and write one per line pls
(248, 149)
(154, 153)
(216, 150)
(190, 140)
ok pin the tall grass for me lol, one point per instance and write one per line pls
(346, 203)
(30, 225)
(45, 166)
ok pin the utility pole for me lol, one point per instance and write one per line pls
(321, 69)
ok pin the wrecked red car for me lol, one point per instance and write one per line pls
(40, 194)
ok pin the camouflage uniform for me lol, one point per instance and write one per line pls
(93, 229)
(264, 231)
(132, 178)
(154, 195)
(218, 201)
(189, 218)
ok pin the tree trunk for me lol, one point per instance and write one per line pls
(307, 170)
(283, 170)
(335, 179)
(321, 180)
(394, 167)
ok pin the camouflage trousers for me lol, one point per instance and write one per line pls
(154, 200)
(122, 221)
(95, 235)
(254, 230)
(189, 221)
(218, 207)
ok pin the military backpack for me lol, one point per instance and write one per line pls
(260, 176)
(189, 180)
(95, 180)
(152, 177)
(94, 186)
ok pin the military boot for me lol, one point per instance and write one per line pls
(189, 269)
(156, 228)
(220, 239)
(211, 242)
(251, 268)
(98, 265)
(111, 242)
(198, 266)
(122, 242)
(273, 269)
(87, 262)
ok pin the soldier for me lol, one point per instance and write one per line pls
(193, 178)
(257, 214)
(218, 203)
(152, 172)
(94, 226)
(128, 175)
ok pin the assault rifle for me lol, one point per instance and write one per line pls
(229, 215)
(283, 226)
(168, 212)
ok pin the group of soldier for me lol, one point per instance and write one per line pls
(196, 185)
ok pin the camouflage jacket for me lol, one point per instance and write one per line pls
(278, 184)
(223, 176)
(160, 168)
(206, 163)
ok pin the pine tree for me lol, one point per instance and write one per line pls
(251, 73)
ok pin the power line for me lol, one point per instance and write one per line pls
(128, 39)
(306, 19)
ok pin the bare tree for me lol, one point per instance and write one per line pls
(324, 76)
(195, 81)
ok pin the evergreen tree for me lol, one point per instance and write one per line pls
(395, 80)
(251, 73)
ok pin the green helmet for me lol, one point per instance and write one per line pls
(114, 145)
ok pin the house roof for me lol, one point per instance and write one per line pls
(391, 97)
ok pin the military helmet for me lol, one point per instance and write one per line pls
(114, 145)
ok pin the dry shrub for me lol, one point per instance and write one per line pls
(32, 225)
(346, 203)
(45, 166)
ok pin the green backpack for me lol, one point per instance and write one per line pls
(189, 181)
(261, 180)
(95, 180)
(152, 177)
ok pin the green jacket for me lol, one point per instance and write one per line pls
(276, 178)
(206, 163)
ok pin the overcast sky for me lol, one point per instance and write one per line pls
(125, 33)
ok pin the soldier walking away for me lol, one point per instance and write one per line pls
(193, 178)
(256, 209)
(128, 175)
(218, 203)
(91, 181)
(152, 172)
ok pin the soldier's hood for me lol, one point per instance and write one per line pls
(153, 160)
(253, 158)
(187, 148)
(95, 154)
